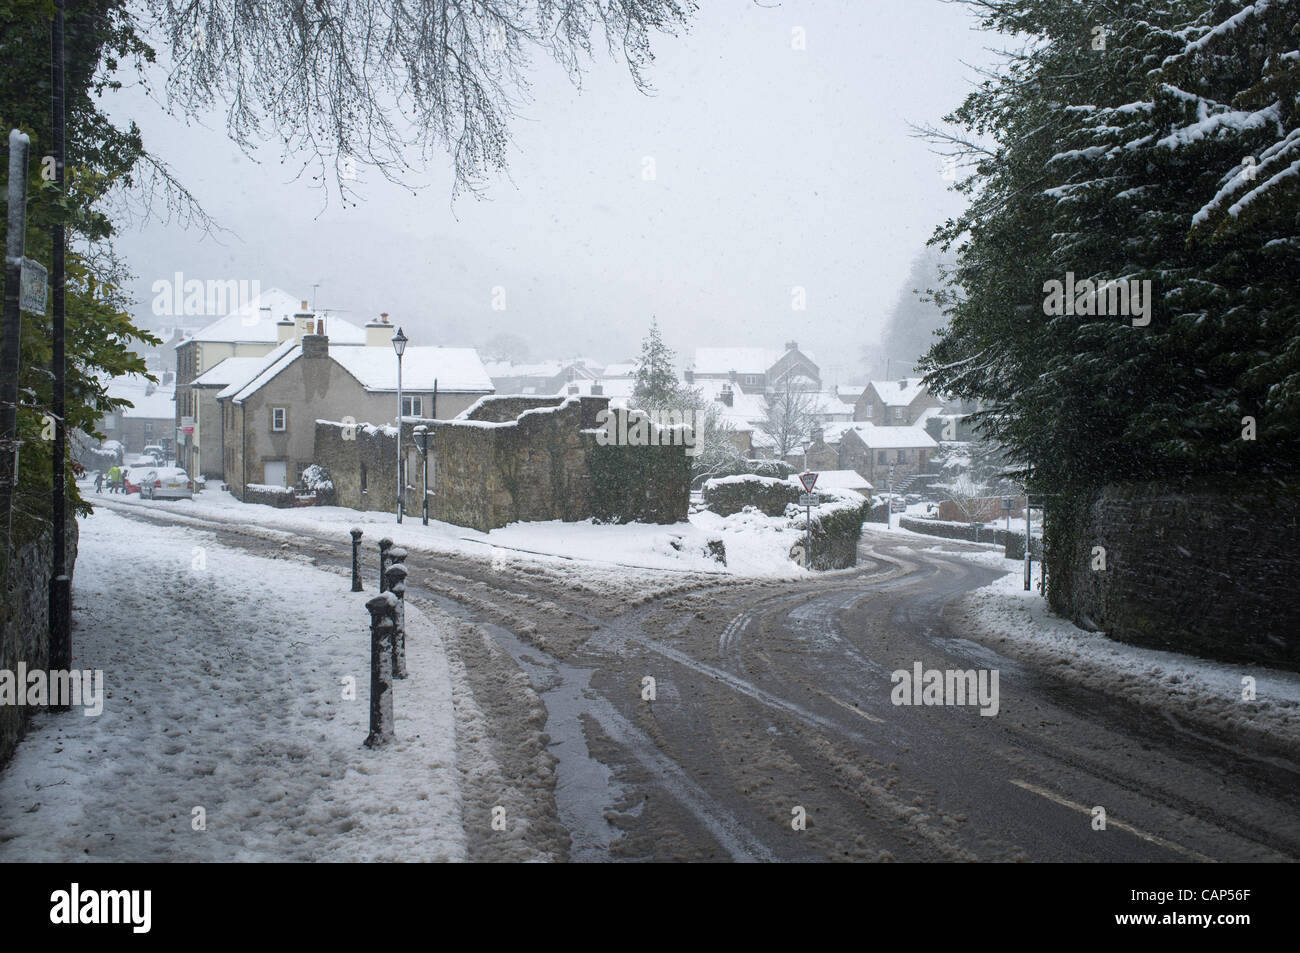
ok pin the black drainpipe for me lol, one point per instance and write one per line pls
(243, 452)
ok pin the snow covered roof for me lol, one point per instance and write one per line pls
(456, 369)
(149, 400)
(242, 375)
(746, 410)
(506, 369)
(838, 480)
(880, 438)
(742, 360)
(625, 369)
(900, 392)
(849, 393)
(617, 390)
(251, 323)
(230, 371)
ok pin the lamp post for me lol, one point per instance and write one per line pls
(399, 346)
(422, 439)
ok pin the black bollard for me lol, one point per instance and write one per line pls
(382, 624)
(396, 578)
(385, 545)
(356, 560)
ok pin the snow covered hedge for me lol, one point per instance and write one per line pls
(836, 523)
(281, 496)
(727, 495)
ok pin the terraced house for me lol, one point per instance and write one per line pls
(268, 412)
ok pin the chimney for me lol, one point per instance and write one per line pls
(284, 329)
(315, 346)
(597, 389)
(304, 322)
(689, 375)
(168, 377)
(726, 395)
(379, 333)
(733, 376)
(902, 385)
(792, 345)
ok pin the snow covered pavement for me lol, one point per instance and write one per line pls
(225, 681)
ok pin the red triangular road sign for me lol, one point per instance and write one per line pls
(809, 480)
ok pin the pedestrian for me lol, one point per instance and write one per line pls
(99, 480)
(114, 478)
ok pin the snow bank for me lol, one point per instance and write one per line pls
(1209, 693)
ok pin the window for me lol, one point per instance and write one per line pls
(898, 413)
(882, 456)
(280, 418)
(751, 380)
(413, 406)
(148, 431)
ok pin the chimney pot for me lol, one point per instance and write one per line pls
(384, 316)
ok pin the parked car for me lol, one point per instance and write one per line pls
(131, 476)
(166, 483)
(157, 452)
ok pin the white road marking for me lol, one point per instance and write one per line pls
(1111, 822)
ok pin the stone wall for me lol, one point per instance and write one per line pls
(510, 459)
(954, 530)
(1194, 569)
(362, 463)
(530, 466)
(25, 625)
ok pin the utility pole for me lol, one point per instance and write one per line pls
(1028, 540)
(10, 350)
(60, 584)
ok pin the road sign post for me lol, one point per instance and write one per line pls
(809, 500)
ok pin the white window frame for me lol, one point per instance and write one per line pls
(416, 404)
(751, 380)
(283, 414)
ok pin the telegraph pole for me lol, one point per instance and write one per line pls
(60, 584)
(15, 244)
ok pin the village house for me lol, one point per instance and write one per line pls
(544, 378)
(268, 421)
(251, 331)
(757, 370)
(883, 455)
(899, 403)
(148, 421)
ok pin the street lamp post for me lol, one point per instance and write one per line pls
(399, 346)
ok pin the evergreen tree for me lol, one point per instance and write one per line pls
(1118, 144)
(657, 387)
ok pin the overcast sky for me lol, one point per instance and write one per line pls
(774, 168)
